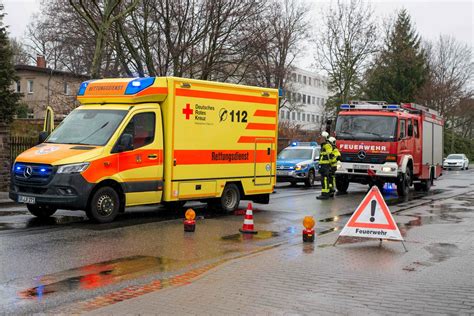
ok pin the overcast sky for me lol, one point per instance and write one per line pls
(431, 18)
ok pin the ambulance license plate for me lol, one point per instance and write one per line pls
(282, 173)
(26, 199)
(364, 167)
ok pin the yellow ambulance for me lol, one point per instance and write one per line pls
(152, 140)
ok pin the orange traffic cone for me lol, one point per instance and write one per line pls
(248, 227)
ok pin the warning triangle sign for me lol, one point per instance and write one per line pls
(372, 219)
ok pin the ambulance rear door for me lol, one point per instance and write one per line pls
(263, 161)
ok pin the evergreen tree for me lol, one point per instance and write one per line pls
(400, 69)
(8, 98)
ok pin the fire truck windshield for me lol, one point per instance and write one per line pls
(366, 127)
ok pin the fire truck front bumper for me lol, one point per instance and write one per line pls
(386, 170)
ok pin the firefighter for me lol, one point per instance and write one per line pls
(325, 166)
(336, 156)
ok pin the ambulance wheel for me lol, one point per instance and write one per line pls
(104, 205)
(342, 183)
(230, 198)
(403, 186)
(41, 211)
(310, 181)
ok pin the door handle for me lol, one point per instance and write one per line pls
(153, 156)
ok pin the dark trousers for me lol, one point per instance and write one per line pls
(325, 171)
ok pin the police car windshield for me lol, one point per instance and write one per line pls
(366, 127)
(87, 127)
(295, 153)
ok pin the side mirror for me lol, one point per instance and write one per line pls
(42, 137)
(410, 130)
(125, 143)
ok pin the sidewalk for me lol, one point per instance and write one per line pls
(5, 200)
(435, 276)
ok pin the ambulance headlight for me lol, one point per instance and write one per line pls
(73, 168)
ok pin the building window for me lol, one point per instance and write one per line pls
(17, 86)
(299, 97)
(293, 76)
(304, 79)
(67, 89)
(299, 78)
(293, 116)
(314, 118)
(309, 78)
(304, 98)
(317, 118)
(314, 100)
(322, 101)
(288, 115)
(30, 86)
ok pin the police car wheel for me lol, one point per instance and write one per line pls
(41, 211)
(310, 181)
(104, 205)
(230, 198)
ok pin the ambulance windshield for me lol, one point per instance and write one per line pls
(366, 127)
(87, 127)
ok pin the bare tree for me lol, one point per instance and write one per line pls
(106, 13)
(20, 56)
(347, 40)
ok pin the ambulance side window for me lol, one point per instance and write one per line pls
(142, 129)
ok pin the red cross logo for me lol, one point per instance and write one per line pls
(188, 111)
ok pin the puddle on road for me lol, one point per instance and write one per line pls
(99, 275)
(13, 213)
(442, 251)
(41, 222)
(261, 235)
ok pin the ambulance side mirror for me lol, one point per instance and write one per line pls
(125, 143)
(42, 136)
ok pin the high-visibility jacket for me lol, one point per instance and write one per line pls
(325, 154)
(336, 155)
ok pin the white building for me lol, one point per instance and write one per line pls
(304, 104)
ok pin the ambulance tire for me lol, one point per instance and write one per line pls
(310, 181)
(403, 186)
(41, 211)
(104, 205)
(230, 198)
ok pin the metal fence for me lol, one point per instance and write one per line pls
(18, 144)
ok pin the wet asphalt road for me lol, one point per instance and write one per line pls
(66, 259)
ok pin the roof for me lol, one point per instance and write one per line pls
(50, 71)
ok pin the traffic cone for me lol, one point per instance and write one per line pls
(248, 227)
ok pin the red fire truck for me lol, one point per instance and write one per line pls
(387, 143)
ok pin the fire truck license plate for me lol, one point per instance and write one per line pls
(365, 167)
(26, 199)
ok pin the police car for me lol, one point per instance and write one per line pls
(298, 163)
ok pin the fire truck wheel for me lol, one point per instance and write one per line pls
(310, 181)
(104, 205)
(403, 186)
(41, 211)
(230, 198)
(342, 184)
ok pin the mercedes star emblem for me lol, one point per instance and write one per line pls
(28, 171)
(361, 155)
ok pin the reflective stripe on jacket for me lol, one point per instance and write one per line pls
(336, 156)
(325, 154)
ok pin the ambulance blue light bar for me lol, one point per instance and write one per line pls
(83, 87)
(138, 85)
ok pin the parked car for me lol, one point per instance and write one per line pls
(298, 163)
(456, 161)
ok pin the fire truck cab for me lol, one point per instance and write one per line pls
(389, 143)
